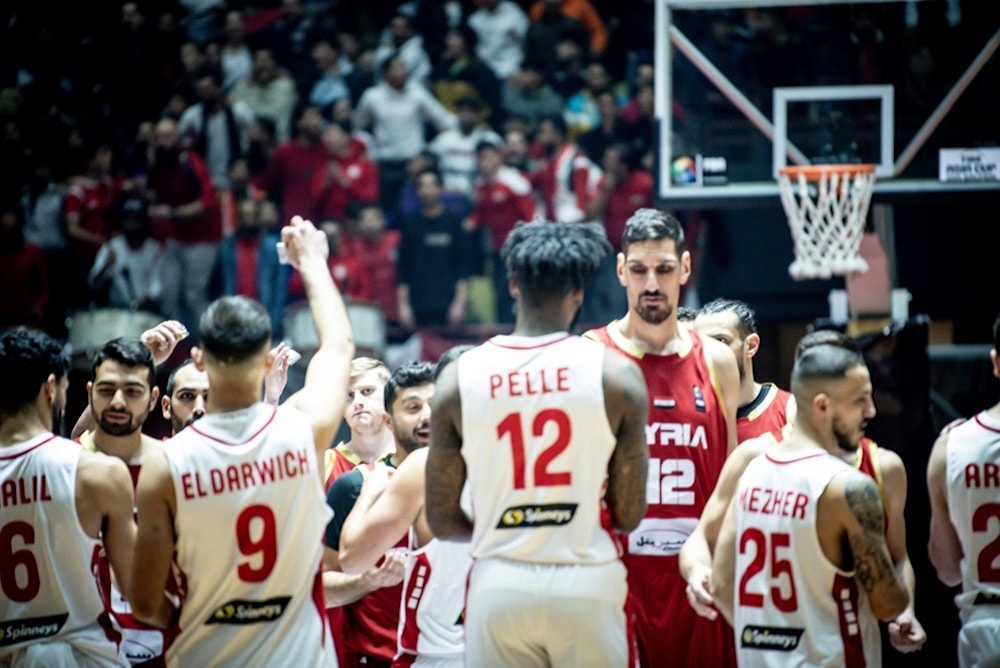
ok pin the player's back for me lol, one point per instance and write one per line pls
(49, 591)
(536, 443)
(793, 606)
(973, 478)
(250, 514)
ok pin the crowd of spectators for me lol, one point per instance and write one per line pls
(152, 150)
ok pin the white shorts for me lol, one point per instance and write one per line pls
(62, 654)
(524, 614)
(979, 639)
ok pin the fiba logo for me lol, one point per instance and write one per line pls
(684, 171)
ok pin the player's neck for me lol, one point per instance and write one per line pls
(749, 389)
(21, 427)
(541, 321)
(664, 338)
(126, 448)
(803, 436)
(371, 447)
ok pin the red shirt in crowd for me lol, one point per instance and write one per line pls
(331, 199)
(379, 260)
(348, 273)
(91, 199)
(501, 202)
(182, 184)
(289, 175)
(633, 193)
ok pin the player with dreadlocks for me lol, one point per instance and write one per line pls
(547, 428)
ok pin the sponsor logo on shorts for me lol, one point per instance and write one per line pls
(27, 630)
(770, 637)
(249, 612)
(545, 515)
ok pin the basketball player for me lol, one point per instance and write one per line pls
(804, 534)
(121, 396)
(547, 429)
(884, 467)
(763, 407)
(185, 396)
(61, 506)
(965, 502)
(238, 495)
(693, 387)
(370, 598)
(432, 608)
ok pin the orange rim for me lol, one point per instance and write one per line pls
(816, 172)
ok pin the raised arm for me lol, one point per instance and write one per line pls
(905, 632)
(384, 512)
(323, 394)
(944, 548)
(446, 472)
(627, 405)
(864, 525)
(155, 542)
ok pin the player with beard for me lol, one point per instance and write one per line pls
(122, 393)
(370, 600)
(61, 506)
(693, 387)
(884, 466)
(803, 538)
(763, 407)
(185, 396)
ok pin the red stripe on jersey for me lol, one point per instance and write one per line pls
(319, 600)
(274, 411)
(845, 595)
(793, 461)
(984, 425)
(404, 660)
(15, 455)
(415, 589)
(526, 346)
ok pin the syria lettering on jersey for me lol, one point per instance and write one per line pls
(528, 383)
(28, 630)
(763, 501)
(240, 611)
(770, 638)
(680, 434)
(982, 476)
(24, 491)
(541, 515)
(233, 478)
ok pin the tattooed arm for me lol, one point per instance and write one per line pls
(864, 526)
(446, 472)
(626, 404)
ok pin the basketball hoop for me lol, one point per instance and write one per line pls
(827, 206)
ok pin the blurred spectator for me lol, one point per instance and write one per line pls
(240, 189)
(290, 172)
(141, 59)
(269, 92)
(214, 128)
(185, 85)
(546, 30)
(363, 76)
(88, 221)
(528, 96)
(456, 148)
(377, 249)
(288, 39)
(42, 203)
(500, 27)
(582, 112)
(234, 56)
(567, 179)
(433, 272)
(332, 69)
(397, 110)
(261, 143)
(409, 202)
(401, 40)
(578, 10)
(348, 273)
(461, 74)
(185, 215)
(248, 260)
(608, 130)
(566, 74)
(127, 267)
(638, 121)
(623, 188)
(22, 272)
(349, 177)
(204, 19)
(503, 197)
(517, 151)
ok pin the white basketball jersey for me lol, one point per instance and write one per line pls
(973, 457)
(48, 586)
(250, 516)
(432, 609)
(536, 444)
(793, 607)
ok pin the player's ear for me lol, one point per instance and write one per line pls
(198, 358)
(995, 358)
(752, 344)
(154, 394)
(685, 267)
(165, 407)
(620, 268)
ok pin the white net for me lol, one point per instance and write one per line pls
(827, 206)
